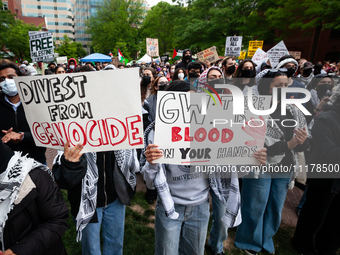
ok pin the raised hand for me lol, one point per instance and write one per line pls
(74, 153)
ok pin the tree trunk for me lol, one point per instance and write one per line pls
(315, 43)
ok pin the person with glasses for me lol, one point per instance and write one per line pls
(15, 131)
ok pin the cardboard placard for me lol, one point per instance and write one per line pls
(242, 55)
(187, 136)
(259, 57)
(41, 46)
(152, 47)
(209, 54)
(233, 46)
(253, 46)
(275, 53)
(295, 54)
(95, 109)
(61, 60)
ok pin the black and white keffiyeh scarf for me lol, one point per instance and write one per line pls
(11, 180)
(128, 165)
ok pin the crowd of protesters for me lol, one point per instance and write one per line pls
(33, 213)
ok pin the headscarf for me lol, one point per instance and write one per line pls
(30, 71)
(286, 61)
(5, 155)
(203, 79)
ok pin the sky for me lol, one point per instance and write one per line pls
(154, 2)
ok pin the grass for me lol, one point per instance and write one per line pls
(139, 237)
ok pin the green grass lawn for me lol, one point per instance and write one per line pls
(139, 237)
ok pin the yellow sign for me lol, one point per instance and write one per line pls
(242, 55)
(253, 46)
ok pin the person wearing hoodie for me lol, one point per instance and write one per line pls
(72, 63)
(33, 213)
(187, 58)
(15, 131)
(317, 230)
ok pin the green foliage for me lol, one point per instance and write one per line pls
(70, 49)
(115, 25)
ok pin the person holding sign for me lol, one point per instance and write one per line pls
(263, 194)
(15, 131)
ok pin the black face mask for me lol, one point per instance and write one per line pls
(161, 87)
(187, 57)
(307, 72)
(193, 75)
(231, 69)
(212, 84)
(290, 72)
(146, 80)
(247, 73)
(322, 90)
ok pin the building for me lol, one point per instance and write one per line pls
(83, 10)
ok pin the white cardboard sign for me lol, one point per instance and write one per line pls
(275, 53)
(41, 46)
(260, 56)
(100, 110)
(233, 46)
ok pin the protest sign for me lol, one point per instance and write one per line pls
(233, 46)
(275, 53)
(41, 46)
(188, 136)
(242, 55)
(253, 46)
(100, 110)
(152, 47)
(295, 54)
(62, 60)
(209, 54)
(259, 57)
(165, 58)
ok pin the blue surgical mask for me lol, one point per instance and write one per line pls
(8, 87)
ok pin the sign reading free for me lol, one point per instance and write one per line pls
(41, 46)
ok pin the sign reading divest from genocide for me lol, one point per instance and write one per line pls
(253, 46)
(100, 110)
(41, 46)
(260, 56)
(275, 53)
(152, 47)
(196, 129)
(209, 54)
(233, 46)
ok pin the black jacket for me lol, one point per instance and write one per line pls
(326, 146)
(69, 176)
(35, 225)
(9, 118)
(183, 63)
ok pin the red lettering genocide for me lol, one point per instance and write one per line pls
(95, 133)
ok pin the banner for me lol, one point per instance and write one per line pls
(295, 54)
(41, 46)
(253, 46)
(152, 47)
(100, 110)
(233, 46)
(242, 55)
(259, 57)
(275, 53)
(61, 60)
(209, 54)
(191, 128)
(165, 58)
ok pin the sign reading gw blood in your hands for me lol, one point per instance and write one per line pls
(100, 110)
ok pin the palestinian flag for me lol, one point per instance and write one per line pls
(121, 58)
(177, 54)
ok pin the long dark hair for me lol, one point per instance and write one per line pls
(175, 77)
(266, 80)
(143, 87)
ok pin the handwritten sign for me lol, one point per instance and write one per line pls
(295, 54)
(275, 53)
(152, 47)
(209, 54)
(187, 136)
(242, 55)
(95, 109)
(259, 57)
(233, 46)
(253, 46)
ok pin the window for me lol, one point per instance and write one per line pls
(5, 6)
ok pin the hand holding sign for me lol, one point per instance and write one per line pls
(152, 153)
(261, 155)
(256, 130)
(12, 136)
(74, 154)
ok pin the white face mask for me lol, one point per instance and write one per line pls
(172, 70)
(8, 87)
(72, 66)
(181, 75)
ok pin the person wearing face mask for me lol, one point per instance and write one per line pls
(180, 74)
(194, 71)
(209, 78)
(306, 75)
(15, 131)
(172, 71)
(72, 64)
(244, 77)
(52, 66)
(187, 58)
(148, 77)
(291, 65)
(23, 69)
(229, 68)
(263, 194)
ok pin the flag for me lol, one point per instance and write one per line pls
(121, 58)
(174, 54)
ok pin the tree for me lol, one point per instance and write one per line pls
(116, 24)
(70, 49)
(160, 23)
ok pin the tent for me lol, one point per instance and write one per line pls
(146, 58)
(96, 57)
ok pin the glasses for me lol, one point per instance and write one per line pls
(11, 76)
